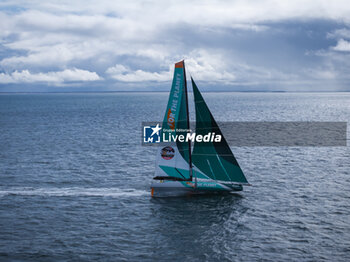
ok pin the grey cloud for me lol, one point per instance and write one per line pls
(68, 75)
(268, 45)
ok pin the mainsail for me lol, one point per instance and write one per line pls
(214, 159)
(174, 159)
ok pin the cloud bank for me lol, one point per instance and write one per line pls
(68, 75)
(229, 45)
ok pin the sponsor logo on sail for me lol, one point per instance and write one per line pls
(171, 119)
(171, 115)
(167, 153)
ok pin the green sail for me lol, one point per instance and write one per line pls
(175, 119)
(176, 115)
(213, 159)
(183, 123)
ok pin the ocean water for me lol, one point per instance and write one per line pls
(74, 184)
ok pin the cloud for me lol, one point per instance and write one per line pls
(199, 63)
(205, 66)
(202, 66)
(342, 45)
(197, 11)
(339, 33)
(125, 74)
(223, 42)
(68, 75)
(321, 73)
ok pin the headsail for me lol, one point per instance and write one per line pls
(174, 159)
(213, 159)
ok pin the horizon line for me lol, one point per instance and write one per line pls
(139, 91)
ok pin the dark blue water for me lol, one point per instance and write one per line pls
(74, 184)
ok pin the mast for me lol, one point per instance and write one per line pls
(188, 124)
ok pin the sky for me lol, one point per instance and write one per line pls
(265, 45)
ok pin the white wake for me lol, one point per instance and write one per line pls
(73, 191)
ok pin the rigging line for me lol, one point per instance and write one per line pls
(211, 169)
(201, 173)
(180, 173)
(229, 178)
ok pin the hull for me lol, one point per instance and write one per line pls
(182, 188)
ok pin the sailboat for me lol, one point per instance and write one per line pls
(210, 167)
